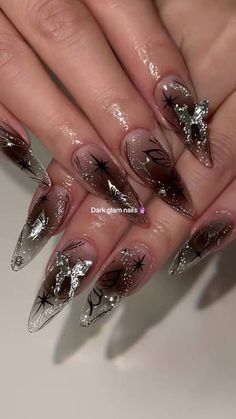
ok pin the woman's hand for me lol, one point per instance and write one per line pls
(150, 54)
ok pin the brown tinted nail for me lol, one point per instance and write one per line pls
(71, 266)
(153, 165)
(203, 242)
(180, 111)
(125, 272)
(104, 177)
(46, 217)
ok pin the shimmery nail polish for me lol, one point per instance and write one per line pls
(153, 165)
(203, 242)
(104, 177)
(180, 112)
(120, 278)
(44, 220)
(18, 152)
(72, 265)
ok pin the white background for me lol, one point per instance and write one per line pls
(168, 352)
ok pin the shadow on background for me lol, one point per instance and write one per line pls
(140, 312)
(148, 308)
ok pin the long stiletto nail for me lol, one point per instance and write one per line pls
(203, 242)
(179, 109)
(18, 152)
(153, 165)
(122, 276)
(62, 283)
(44, 220)
(104, 177)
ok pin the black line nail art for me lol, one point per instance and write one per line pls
(18, 152)
(62, 283)
(206, 240)
(122, 275)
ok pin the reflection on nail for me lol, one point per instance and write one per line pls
(102, 175)
(18, 151)
(122, 276)
(45, 219)
(180, 110)
(206, 240)
(153, 165)
(62, 282)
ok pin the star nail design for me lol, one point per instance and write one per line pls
(139, 264)
(169, 101)
(101, 165)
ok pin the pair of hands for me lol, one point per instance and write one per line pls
(131, 66)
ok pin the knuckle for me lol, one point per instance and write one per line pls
(59, 20)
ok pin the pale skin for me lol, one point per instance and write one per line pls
(116, 96)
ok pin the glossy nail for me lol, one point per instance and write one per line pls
(153, 166)
(18, 152)
(178, 107)
(46, 217)
(127, 269)
(204, 241)
(71, 265)
(104, 177)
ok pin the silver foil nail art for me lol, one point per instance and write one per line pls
(18, 152)
(44, 221)
(203, 242)
(74, 273)
(120, 278)
(195, 119)
(62, 282)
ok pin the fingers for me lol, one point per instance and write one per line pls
(27, 90)
(80, 253)
(15, 146)
(154, 63)
(50, 212)
(214, 229)
(65, 35)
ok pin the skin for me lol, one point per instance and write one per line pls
(115, 105)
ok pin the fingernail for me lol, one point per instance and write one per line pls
(47, 216)
(204, 241)
(180, 111)
(18, 152)
(62, 283)
(104, 177)
(153, 166)
(127, 269)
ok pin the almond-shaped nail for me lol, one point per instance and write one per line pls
(153, 165)
(126, 271)
(180, 111)
(46, 217)
(104, 177)
(63, 278)
(206, 240)
(15, 149)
